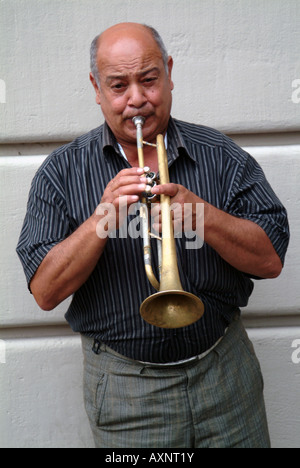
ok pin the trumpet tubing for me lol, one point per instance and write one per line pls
(171, 306)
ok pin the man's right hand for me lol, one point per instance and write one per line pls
(121, 192)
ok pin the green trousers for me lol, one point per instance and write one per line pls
(213, 402)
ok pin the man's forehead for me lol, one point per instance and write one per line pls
(136, 60)
(139, 73)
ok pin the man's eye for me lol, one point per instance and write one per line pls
(118, 86)
(150, 80)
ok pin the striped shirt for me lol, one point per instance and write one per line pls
(66, 191)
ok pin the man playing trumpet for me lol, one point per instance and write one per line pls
(146, 386)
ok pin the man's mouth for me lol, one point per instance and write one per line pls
(138, 115)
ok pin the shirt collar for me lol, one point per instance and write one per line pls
(108, 138)
(176, 143)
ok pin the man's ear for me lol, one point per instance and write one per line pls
(96, 88)
(170, 68)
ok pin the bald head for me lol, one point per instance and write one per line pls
(120, 31)
(113, 33)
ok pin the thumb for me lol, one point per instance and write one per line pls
(165, 189)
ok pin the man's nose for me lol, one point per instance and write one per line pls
(137, 97)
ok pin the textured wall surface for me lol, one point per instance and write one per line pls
(235, 62)
(237, 69)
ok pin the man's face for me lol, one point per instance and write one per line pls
(133, 81)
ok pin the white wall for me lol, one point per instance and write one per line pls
(237, 69)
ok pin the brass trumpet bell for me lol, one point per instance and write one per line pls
(172, 309)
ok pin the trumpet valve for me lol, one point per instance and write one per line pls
(148, 190)
(151, 181)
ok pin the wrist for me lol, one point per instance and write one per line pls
(99, 224)
(198, 218)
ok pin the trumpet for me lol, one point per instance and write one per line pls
(171, 306)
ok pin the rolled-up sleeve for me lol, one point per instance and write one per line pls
(253, 198)
(45, 224)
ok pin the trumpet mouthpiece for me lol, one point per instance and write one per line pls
(138, 120)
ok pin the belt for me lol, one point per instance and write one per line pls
(98, 347)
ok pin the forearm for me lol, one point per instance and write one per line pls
(240, 242)
(67, 266)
